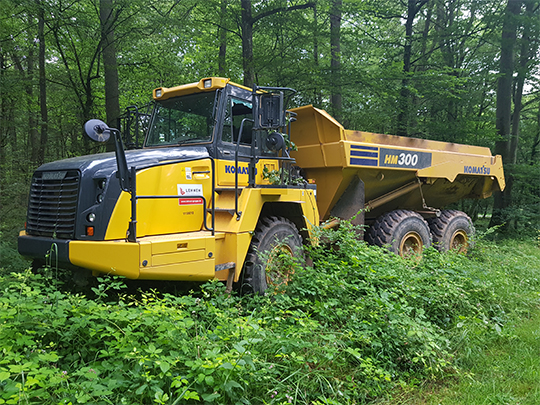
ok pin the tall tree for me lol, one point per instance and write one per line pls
(108, 16)
(335, 58)
(527, 51)
(222, 34)
(504, 106)
(42, 84)
(247, 24)
(413, 7)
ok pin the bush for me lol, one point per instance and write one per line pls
(346, 329)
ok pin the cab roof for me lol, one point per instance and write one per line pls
(203, 85)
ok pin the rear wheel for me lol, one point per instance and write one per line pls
(275, 240)
(404, 232)
(452, 230)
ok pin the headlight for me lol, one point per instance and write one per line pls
(100, 198)
(102, 183)
(91, 217)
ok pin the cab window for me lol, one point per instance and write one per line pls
(235, 112)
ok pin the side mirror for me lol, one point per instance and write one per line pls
(275, 142)
(269, 112)
(97, 131)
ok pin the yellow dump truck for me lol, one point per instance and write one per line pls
(217, 183)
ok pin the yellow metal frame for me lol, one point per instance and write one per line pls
(332, 156)
(171, 244)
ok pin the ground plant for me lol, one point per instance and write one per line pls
(357, 325)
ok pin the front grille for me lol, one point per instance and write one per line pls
(53, 204)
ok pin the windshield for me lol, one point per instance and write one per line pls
(180, 120)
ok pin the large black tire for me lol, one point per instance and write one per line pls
(452, 230)
(273, 235)
(404, 232)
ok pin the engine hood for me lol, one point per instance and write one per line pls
(139, 158)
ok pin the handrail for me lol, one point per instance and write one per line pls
(238, 214)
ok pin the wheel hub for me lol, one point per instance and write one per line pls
(459, 242)
(411, 245)
(279, 267)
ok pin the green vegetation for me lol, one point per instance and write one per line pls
(357, 326)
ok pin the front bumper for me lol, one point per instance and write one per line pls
(38, 247)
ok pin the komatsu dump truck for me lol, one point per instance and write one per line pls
(217, 184)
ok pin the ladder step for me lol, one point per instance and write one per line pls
(221, 189)
(225, 266)
(229, 210)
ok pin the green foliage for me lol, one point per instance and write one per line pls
(281, 176)
(355, 324)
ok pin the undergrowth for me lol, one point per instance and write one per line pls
(350, 328)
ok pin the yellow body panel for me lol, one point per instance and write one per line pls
(225, 170)
(252, 200)
(171, 243)
(162, 216)
(112, 257)
(333, 156)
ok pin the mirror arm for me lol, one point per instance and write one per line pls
(123, 172)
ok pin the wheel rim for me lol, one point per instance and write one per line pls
(278, 267)
(459, 242)
(411, 245)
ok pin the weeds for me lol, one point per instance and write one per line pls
(354, 325)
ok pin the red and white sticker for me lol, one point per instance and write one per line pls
(190, 201)
(189, 190)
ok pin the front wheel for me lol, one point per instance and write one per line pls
(275, 239)
(452, 230)
(404, 232)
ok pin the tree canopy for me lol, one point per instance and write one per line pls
(463, 71)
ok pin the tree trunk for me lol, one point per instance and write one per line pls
(107, 17)
(503, 199)
(222, 34)
(317, 96)
(33, 138)
(335, 61)
(247, 44)
(525, 55)
(536, 141)
(413, 7)
(42, 86)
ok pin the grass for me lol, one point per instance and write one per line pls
(500, 368)
(505, 371)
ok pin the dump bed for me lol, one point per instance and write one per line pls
(397, 172)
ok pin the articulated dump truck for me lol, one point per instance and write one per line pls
(217, 185)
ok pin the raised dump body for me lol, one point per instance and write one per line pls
(397, 172)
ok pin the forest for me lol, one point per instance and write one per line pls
(462, 71)
(355, 326)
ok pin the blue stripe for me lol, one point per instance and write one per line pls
(364, 154)
(363, 162)
(364, 147)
